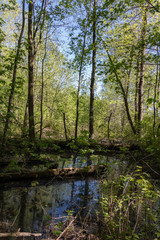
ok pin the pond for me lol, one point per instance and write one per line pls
(39, 206)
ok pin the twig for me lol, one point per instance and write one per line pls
(151, 167)
(65, 229)
(16, 217)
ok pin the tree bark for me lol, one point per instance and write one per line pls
(136, 93)
(79, 81)
(123, 94)
(65, 128)
(11, 96)
(142, 69)
(79, 84)
(32, 51)
(109, 119)
(42, 87)
(24, 128)
(155, 98)
(91, 113)
(30, 72)
(20, 234)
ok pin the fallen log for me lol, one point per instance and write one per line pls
(56, 173)
(20, 234)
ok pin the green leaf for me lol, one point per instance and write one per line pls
(150, 100)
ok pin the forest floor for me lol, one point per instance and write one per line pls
(18, 154)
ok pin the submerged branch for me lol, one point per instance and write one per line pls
(20, 234)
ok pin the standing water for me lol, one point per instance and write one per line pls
(41, 206)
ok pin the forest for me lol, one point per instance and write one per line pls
(80, 98)
(72, 68)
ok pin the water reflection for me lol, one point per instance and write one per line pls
(83, 161)
(32, 208)
(36, 208)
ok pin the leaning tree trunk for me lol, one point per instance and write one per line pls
(91, 113)
(123, 94)
(127, 86)
(11, 96)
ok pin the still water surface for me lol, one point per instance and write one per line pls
(36, 206)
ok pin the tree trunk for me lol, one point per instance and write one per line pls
(66, 172)
(65, 128)
(142, 69)
(25, 127)
(127, 91)
(109, 119)
(19, 234)
(123, 94)
(42, 88)
(79, 83)
(80, 77)
(136, 92)
(91, 113)
(30, 73)
(11, 96)
(154, 100)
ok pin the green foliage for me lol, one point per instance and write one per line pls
(82, 140)
(57, 229)
(13, 166)
(129, 206)
(34, 183)
(118, 32)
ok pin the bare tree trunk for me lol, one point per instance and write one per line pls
(109, 119)
(65, 128)
(136, 92)
(127, 91)
(25, 127)
(42, 88)
(11, 96)
(155, 97)
(142, 69)
(136, 103)
(32, 51)
(158, 88)
(79, 81)
(30, 72)
(79, 84)
(91, 113)
(123, 94)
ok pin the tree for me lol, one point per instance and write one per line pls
(142, 67)
(42, 88)
(16, 61)
(80, 71)
(91, 112)
(32, 51)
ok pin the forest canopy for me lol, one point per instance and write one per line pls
(72, 68)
